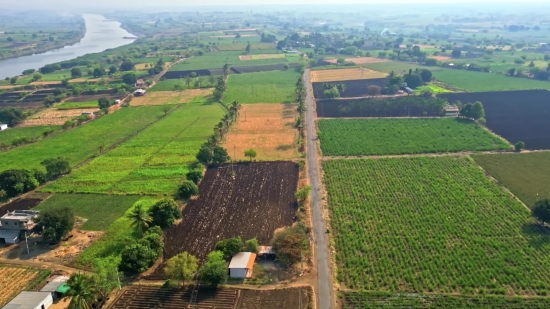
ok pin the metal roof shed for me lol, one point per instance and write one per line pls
(242, 264)
(30, 300)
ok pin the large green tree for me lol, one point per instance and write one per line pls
(81, 291)
(137, 258)
(230, 246)
(54, 223)
(56, 167)
(15, 182)
(541, 210)
(181, 267)
(214, 271)
(140, 217)
(165, 212)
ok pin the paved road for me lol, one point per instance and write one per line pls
(325, 297)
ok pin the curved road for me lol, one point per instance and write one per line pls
(325, 297)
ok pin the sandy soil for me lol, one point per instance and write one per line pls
(345, 74)
(267, 128)
(440, 58)
(261, 56)
(170, 97)
(45, 83)
(52, 116)
(40, 251)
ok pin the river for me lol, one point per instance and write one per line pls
(100, 35)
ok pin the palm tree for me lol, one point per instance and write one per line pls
(81, 290)
(140, 217)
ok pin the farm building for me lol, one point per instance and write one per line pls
(451, 111)
(265, 250)
(56, 286)
(3, 127)
(30, 300)
(241, 265)
(140, 92)
(13, 224)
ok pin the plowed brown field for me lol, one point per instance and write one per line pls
(362, 60)
(53, 116)
(254, 203)
(170, 97)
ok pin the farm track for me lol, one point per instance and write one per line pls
(325, 297)
(42, 265)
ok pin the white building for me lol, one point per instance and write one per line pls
(30, 300)
(242, 264)
(3, 127)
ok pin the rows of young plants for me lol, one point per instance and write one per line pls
(83, 142)
(262, 87)
(379, 300)
(351, 137)
(153, 162)
(432, 224)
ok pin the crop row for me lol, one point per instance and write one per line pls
(262, 87)
(368, 300)
(351, 137)
(432, 224)
(153, 162)
(83, 142)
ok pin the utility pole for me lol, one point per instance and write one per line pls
(27, 242)
(118, 279)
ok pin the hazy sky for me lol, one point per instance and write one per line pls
(134, 3)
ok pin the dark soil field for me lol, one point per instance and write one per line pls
(89, 98)
(138, 297)
(233, 70)
(515, 115)
(259, 200)
(19, 204)
(283, 298)
(183, 74)
(354, 88)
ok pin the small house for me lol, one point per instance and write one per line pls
(30, 300)
(3, 127)
(139, 92)
(451, 111)
(57, 286)
(242, 264)
(15, 223)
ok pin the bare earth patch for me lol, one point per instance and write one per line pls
(45, 83)
(52, 116)
(267, 128)
(440, 58)
(345, 74)
(261, 56)
(170, 97)
(361, 60)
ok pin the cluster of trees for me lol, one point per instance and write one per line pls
(194, 81)
(474, 111)
(291, 244)
(53, 224)
(300, 95)
(139, 256)
(413, 80)
(159, 67)
(12, 116)
(18, 181)
(333, 90)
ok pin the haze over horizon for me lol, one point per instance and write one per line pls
(136, 4)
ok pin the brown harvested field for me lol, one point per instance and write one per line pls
(440, 58)
(13, 280)
(253, 203)
(137, 297)
(6, 87)
(45, 83)
(261, 56)
(267, 128)
(20, 204)
(361, 60)
(52, 116)
(171, 97)
(345, 74)
(281, 298)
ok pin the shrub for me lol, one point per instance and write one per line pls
(229, 247)
(165, 212)
(214, 271)
(194, 175)
(137, 258)
(289, 244)
(519, 146)
(187, 190)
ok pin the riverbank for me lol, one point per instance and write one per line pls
(49, 48)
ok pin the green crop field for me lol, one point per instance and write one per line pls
(153, 162)
(381, 300)
(73, 105)
(82, 142)
(7, 136)
(99, 210)
(353, 137)
(217, 60)
(262, 87)
(432, 224)
(180, 84)
(117, 236)
(526, 175)
(463, 79)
